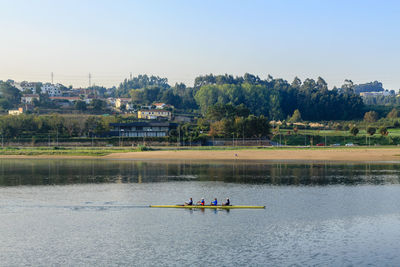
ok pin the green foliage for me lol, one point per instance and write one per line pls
(277, 99)
(228, 111)
(45, 125)
(369, 87)
(144, 148)
(383, 131)
(354, 130)
(80, 105)
(248, 127)
(371, 116)
(371, 130)
(98, 104)
(140, 82)
(10, 96)
(296, 117)
(393, 114)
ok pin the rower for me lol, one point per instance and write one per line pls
(189, 203)
(201, 202)
(227, 202)
(214, 203)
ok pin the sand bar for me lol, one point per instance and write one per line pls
(325, 154)
(380, 154)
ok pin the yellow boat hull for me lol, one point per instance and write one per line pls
(207, 207)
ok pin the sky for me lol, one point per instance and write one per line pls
(182, 39)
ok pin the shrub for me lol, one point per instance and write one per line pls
(354, 131)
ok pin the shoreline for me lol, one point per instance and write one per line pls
(338, 155)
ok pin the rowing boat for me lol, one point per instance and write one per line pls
(207, 207)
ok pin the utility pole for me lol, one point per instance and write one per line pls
(179, 136)
(52, 76)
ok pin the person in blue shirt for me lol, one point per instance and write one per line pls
(214, 203)
(227, 202)
(189, 203)
(201, 202)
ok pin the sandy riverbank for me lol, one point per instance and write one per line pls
(325, 154)
(284, 154)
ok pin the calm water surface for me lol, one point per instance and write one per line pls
(93, 212)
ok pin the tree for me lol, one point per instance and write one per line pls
(217, 128)
(98, 104)
(354, 130)
(141, 82)
(371, 130)
(296, 117)
(393, 114)
(383, 131)
(371, 116)
(80, 105)
(10, 94)
(369, 87)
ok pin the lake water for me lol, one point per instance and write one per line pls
(94, 212)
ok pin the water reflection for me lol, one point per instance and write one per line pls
(47, 172)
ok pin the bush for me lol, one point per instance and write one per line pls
(354, 131)
(371, 130)
(383, 131)
(144, 148)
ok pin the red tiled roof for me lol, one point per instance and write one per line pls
(64, 98)
(154, 110)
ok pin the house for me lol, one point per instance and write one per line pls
(18, 111)
(153, 114)
(24, 86)
(122, 101)
(162, 105)
(65, 98)
(183, 118)
(382, 93)
(28, 98)
(51, 89)
(159, 105)
(141, 129)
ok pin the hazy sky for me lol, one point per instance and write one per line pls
(337, 40)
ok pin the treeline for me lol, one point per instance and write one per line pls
(275, 99)
(272, 98)
(381, 100)
(62, 126)
(221, 121)
(233, 121)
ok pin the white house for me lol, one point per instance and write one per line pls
(123, 101)
(28, 99)
(18, 111)
(51, 89)
(23, 86)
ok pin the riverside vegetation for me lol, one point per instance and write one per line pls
(221, 106)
